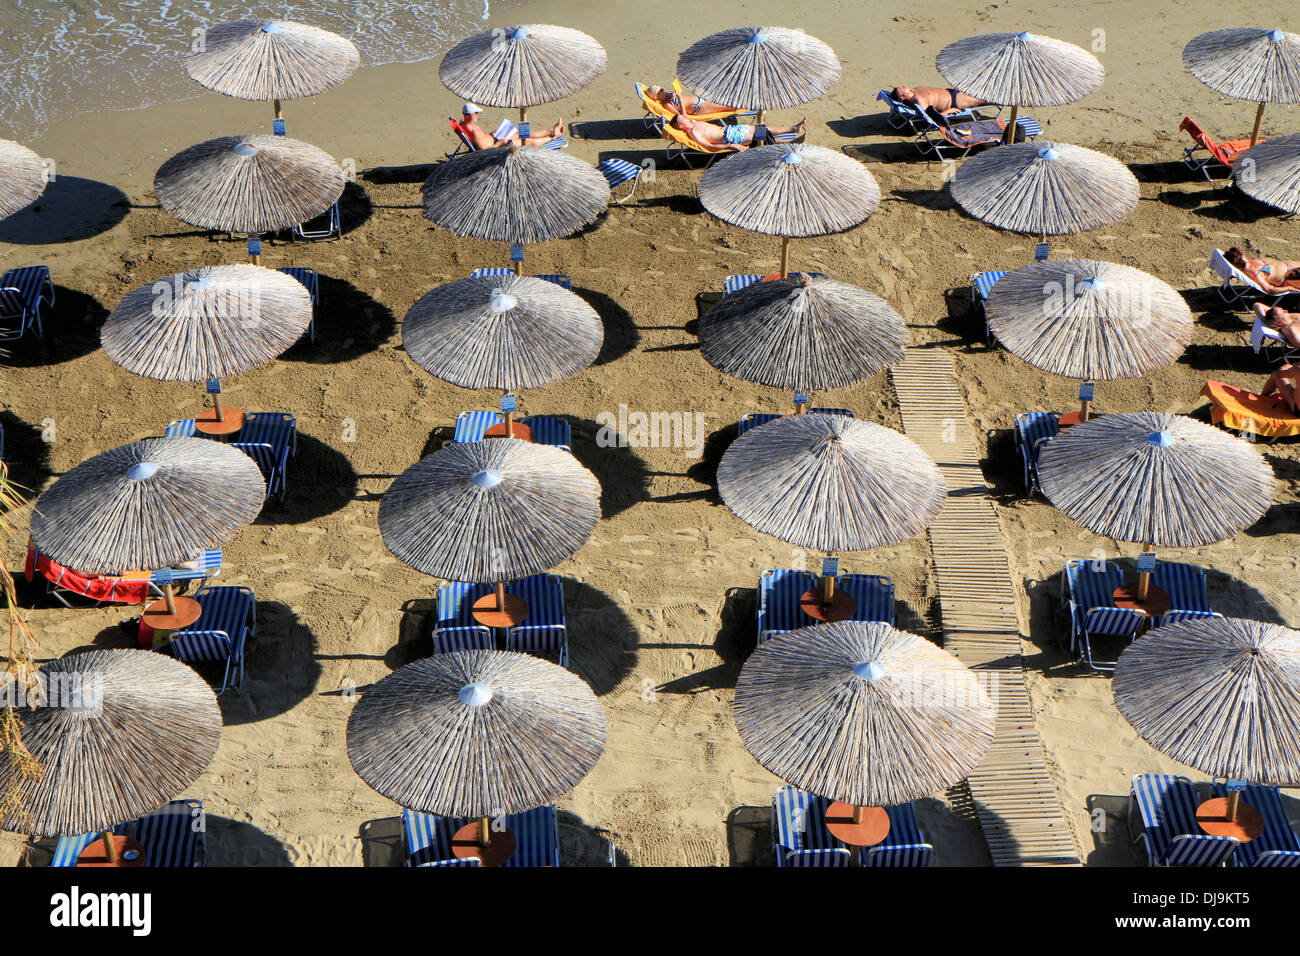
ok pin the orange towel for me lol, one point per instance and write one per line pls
(1267, 415)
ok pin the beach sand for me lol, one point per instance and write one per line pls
(661, 602)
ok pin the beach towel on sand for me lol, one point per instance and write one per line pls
(1267, 415)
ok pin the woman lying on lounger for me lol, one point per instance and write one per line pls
(945, 100)
(1273, 275)
(684, 104)
(1281, 321)
(1284, 382)
(482, 139)
(739, 134)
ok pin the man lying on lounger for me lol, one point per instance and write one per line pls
(1284, 382)
(685, 104)
(739, 134)
(482, 139)
(1272, 275)
(1280, 321)
(945, 100)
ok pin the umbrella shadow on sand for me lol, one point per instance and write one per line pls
(319, 481)
(734, 642)
(580, 844)
(349, 323)
(226, 843)
(280, 668)
(71, 330)
(71, 208)
(27, 451)
(865, 124)
(621, 333)
(623, 474)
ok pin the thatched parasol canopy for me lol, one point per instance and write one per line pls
(507, 333)
(1156, 479)
(830, 482)
(862, 713)
(759, 68)
(522, 66)
(147, 505)
(802, 333)
(1218, 694)
(1020, 69)
(515, 194)
(476, 733)
(1091, 320)
(272, 60)
(249, 184)
(1247, 63)
(790, 190)
(1270, 172)
(1047, 189)
(23, 177)
(490, 511)
(118, 733)
(207, 323)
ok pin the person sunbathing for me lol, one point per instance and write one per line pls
(945, 100)
(1272, 275)
(685, 104)
(739, 134)
(482, 139)
(1283, 382)
(1280, 321)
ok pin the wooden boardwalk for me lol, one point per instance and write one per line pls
(1017, 803)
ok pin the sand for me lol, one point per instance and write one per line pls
(661, 601)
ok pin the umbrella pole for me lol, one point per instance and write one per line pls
(1234, 798)
(1259, 117)
(523, 114)
(484, 833)
(170, 597)
(785, 256)
(758, 117)
(857, 815)
(279, 113)
(500, 590)
(1144, 584)
(828, 595)
(216, 407)
(1085, 410)
(800, 407)
(1010, 136)
(110, 848)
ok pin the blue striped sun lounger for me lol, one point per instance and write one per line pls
(1278, 845)
(1177, 617)
(732, 284)
(904, 846)
(544, 630)
(619, 171)
(1032, 429)
(873, 595)
(754, 419)
(171, 836)
(1089, 583)
(497, 271)
(904, 115)
(779, 590)
(1185, 584)
(1104, 622)
(799, 834)
(455, 628)
(1167, 804)
(270, 439)
(227, 622)
(547, 429)
(23, 293)
(322, 227)
(981, 284)
(428, 837)
(309, 280)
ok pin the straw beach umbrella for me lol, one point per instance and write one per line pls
(830, 483)
(488, 512)
(23, 177)
(522, 66)
(1045, 189)
(508, 333)
(1270, 172)
(1156, 479)
(790, 190)
(477, 734)
(1247, 63)
(514, 194)
(802, 333)
(207, 323)
(1218, 694)
(759, 68)
(271, 60)
(148, 505)
(117, 733)
(249, 184)
(862, 713)
(1020, 69)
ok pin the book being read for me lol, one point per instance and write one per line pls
(504, 131)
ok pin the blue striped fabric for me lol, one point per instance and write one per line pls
(873, 594)
(428, 837)
(171, 836)
(735, 283)
(31, 288)
(68, 848)
(1278, 845)
(1167, 804)
(563, 281)
(209, 566)
(547, 429)
(269, 438)
(307, 276)
(447, 640)
(815, 858)
(904, 846)
(455, 861)
(544, 630)
(779, 590)
(1175, 617)
(228, 620)
(1185, 584)
(455, 628)
(1103, 622)
(1032, 429)
(754, 419)
(1090, 583)
(617, 172)
(799, 822)
(1030, 127)
(982, 284)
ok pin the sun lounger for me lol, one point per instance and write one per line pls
(904, 845)
(1221, 154)
(735, 283)
(543, 631)
(307, 277)
(547, 429)
(171, 836)
(420, 833)
(23, 292)
(940, 137)
(1185, 584)
(455, 628)
(134, 588)
(1239, 288)
(563, 281)
(1087, 592)
(1270, 343)
(428, 837)
(617, 172)
(682, 145)
(873, 595)
(1104, 622)
(754, 419)
(1167, 804)
(324, 226)
(1278, 845)
(799, 834)
(1032, 429)
(1089, 583)
(270, 439)
(1177, 617)
(779, 590)
(1266, 416)
(904, 115)
(227, 622)
(657, 114)
(466, 146)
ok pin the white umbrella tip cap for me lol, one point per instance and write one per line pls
(474, 695)
(1093, 284)
(142, 470)
(1048, 152)
(245, 149)
(519, 33)
(198, 285)
(488, 478)
(1277, 36)
(757, 38)
(792, 159)
(868, 670)
(272, 27)
(1161, 439)
(502, 301)
(1024, 35)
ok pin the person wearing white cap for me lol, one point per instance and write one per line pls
(482, 139)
